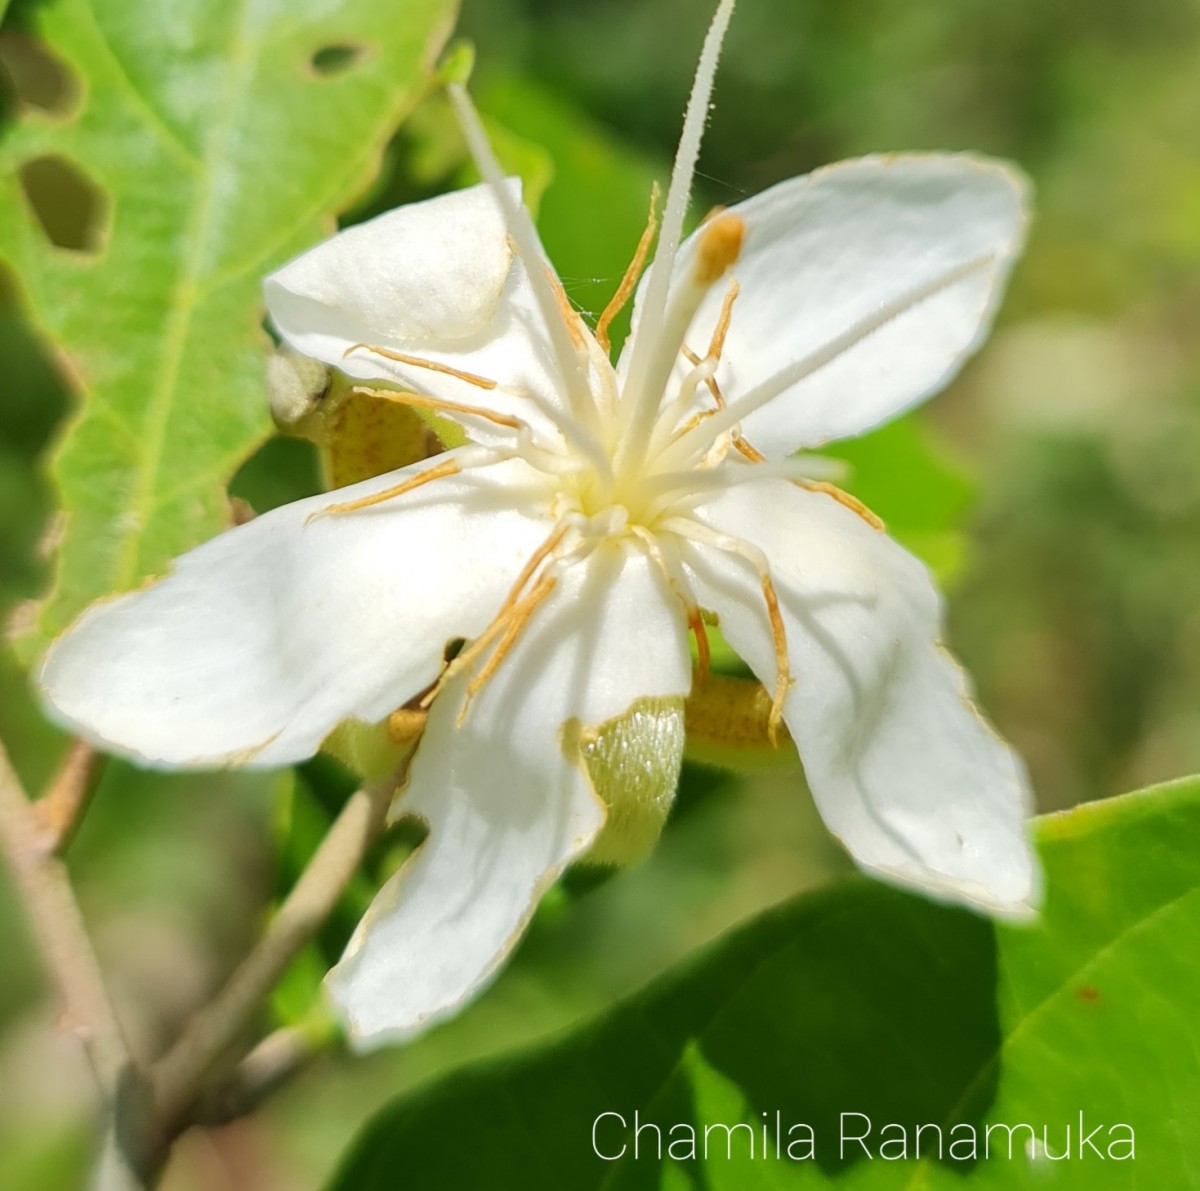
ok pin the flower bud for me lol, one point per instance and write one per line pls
(297, 385)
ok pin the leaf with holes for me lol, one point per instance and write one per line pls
(210, 143)
(863, 1000)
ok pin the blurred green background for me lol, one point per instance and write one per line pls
(1056, 487)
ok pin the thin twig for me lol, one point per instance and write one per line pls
(60, 934)
(58, 812)
(113, 1171)
(278, 1058)
(177, 1078)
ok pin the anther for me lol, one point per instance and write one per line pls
(720, 246)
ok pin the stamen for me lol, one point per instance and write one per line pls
(658, 492)
(448, 467)
(571, 430)
(632, 274)
(517, 618)
(464, 659)
(692, 443)
(701, 373)
(547, 462)
(536, 559)
(471, 652)
(480, 382)
(753, 454)
(717, 343)
(690, 529)
(783, 679)
(666, 423)
(703, 649)
(844, 498)
(420, 401)
(694, 421)
(570, 316)
(719, 245)
(679, 583)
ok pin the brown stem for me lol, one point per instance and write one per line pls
(60, 934)
(58, 812)
(278, 1058)
(177, 1079)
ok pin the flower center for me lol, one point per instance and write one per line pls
(638, 422)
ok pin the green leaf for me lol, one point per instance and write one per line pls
(437, 157)
(863, 999)
(215, 141)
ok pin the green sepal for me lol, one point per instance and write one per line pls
(633, 763)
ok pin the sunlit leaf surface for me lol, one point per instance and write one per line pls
(211, 143)
(860, 999)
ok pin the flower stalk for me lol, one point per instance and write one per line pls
(178, 1078)
(61, 935)
(149, 1108)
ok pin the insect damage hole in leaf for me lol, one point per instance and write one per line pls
(36, 76)
(70, 208)
(331, 60)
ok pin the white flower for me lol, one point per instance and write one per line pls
(577, 537)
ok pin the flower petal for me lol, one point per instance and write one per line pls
(437, 280)
(902, 767)
(826, 252)
(260, 641)
(506, 798)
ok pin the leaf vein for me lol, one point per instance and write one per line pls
(1029, 1018)
(184, 300)
(152, 117)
